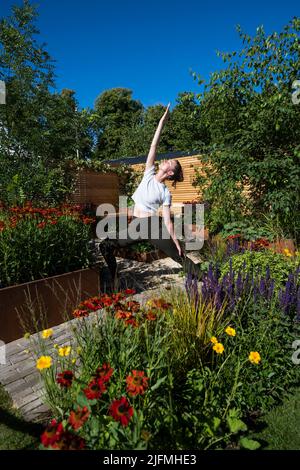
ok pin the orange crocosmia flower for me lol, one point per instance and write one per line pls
(137, 383)
(79, 417)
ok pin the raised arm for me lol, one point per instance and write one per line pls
(155, 140)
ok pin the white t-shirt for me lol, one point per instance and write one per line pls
(150, 193)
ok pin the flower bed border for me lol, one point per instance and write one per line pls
(58, 295)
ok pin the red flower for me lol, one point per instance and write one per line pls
(151, 316)
(106, 300)
(78, 418)
(160, 304)
(137, 383)
(121, 411)
(133, 305)
(41, 225)
(52, 434)
(129, 291)
(120, 314)
(80, 313)
(231, 237)
(133, 322)
(117, 297)
(90, 305)
(104, 372)
(65, 378)
(95, 389)
(88, 220)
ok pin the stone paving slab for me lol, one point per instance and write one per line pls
(19, 375)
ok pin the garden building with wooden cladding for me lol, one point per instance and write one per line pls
(98, 188)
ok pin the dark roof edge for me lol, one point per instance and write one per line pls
(160, 156)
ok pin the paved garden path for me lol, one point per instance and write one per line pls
(19, 375)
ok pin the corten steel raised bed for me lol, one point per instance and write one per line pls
(44, 303)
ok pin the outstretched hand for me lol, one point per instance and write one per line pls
(166, 113)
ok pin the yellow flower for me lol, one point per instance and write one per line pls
(219, 348)
(44, 362)
(287, 252)
(230, 331)
(74, 360)
(254, 357)
(64, 351)
(213, 340)
(27, 335)
(47, 333)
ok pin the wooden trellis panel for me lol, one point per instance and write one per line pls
(184, 191)
(96, 188)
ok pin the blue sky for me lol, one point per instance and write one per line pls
(147, 46)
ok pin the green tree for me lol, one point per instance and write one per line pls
(40, 131)
(117, 112)
(254, 132)
(186, 129)
(27, 70)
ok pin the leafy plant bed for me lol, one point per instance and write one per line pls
(181, 372)
(38, 242)
(46, 302)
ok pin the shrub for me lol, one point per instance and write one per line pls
(39, 242)
(254, 262)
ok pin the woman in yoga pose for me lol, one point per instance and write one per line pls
(148, 197)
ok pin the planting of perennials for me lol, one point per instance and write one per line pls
(187, 370)
(59, 235)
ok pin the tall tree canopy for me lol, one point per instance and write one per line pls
(253, 127)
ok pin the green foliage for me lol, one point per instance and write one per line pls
(254, 135)
(116, 111)
(39, 130)
(280, 424)
(31, 250)
(257, 261)
(141, 247)
(246, 230)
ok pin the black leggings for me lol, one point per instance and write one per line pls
(159, 237)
